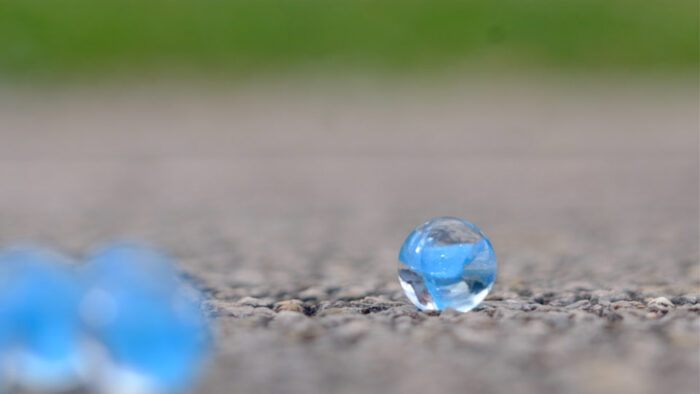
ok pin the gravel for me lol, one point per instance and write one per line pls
(288, 206)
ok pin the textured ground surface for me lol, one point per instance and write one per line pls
(289, 205)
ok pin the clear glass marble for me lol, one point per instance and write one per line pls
(147, 318)
(40, 333)
(447, 263)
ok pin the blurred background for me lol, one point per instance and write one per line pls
(283, 150)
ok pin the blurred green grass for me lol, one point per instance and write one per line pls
(66, 38)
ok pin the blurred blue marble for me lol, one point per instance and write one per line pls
(148, 320)
(40, 331)
(447, 263)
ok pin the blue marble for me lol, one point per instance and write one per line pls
(40, 330)
(147, 318)
(447, 263)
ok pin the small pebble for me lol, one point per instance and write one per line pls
(660, 304)
(290, 306)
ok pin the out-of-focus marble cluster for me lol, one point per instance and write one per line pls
(124, 321)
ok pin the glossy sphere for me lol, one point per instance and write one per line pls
(146, 317)
(40, 331)
(447, 263)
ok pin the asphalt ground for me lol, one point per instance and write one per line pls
(288, 202)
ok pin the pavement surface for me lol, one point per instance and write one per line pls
(288, 203)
